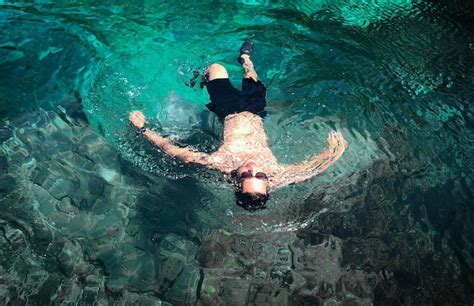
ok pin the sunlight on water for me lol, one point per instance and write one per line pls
(93, 213)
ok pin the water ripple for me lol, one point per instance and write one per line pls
(395, 77)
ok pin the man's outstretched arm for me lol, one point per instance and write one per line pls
(185, 154)
(292, 174)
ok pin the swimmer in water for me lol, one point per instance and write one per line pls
(244, 153)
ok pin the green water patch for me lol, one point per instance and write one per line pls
(98, 214)
(50, 66)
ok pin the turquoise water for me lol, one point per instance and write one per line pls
(90, 212)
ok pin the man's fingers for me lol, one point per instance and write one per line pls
(132, 115)
(136, 115)
(332, 136)
(336, 139)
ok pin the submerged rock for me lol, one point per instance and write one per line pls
(81, 227)
(65, 211)
(184, 288)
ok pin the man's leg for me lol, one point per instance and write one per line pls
(224, 97)
(246, 51)
(216, 71)
(253, 91)
(247, 65)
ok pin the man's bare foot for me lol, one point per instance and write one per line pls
(245, 50)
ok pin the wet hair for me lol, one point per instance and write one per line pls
(251, 201)
(247, 200)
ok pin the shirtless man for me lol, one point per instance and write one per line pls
(244, 153)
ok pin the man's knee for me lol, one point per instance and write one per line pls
(217, 71)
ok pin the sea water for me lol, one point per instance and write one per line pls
(90, 212)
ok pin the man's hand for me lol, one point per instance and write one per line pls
(137, 119)
(292, 174)
(336, 141)
(188, 155)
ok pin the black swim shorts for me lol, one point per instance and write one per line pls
(226, 99)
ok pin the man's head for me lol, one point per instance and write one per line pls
(252, 190)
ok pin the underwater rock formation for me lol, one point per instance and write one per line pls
(68, 219)
(80, 225)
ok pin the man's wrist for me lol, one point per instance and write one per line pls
(141, 130)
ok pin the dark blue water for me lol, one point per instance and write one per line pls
(92, 213)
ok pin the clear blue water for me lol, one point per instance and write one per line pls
(90, 212)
